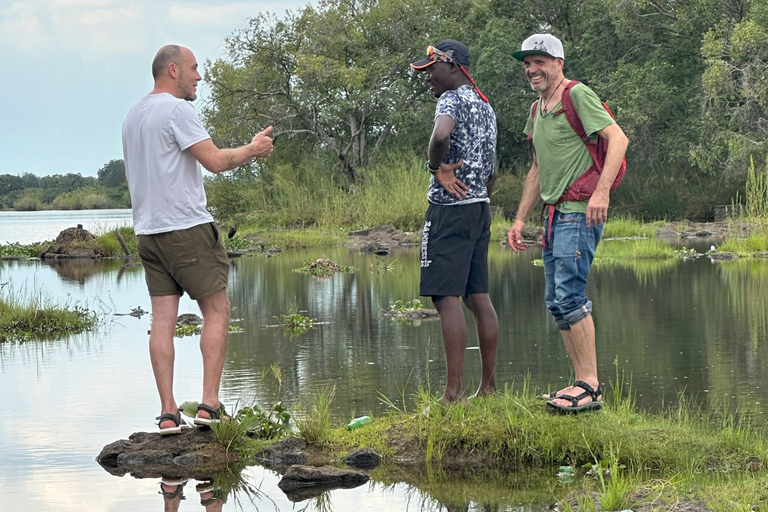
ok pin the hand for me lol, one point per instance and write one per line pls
(515, 236)
(446, 177)
(262, 143)
(597, 208)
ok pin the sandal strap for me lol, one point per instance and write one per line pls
(594, 393)
(216, 413)
(176, 418)
(575, 399)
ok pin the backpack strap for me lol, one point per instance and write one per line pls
(573, 119)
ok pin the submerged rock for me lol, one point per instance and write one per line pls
(284, 453)
(303, 482)
(364, 458)
(191, 454)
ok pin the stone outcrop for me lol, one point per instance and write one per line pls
(74, 243)
(191, 454)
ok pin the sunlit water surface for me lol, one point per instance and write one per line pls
(691, 327)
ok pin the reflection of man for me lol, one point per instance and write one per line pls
(180, 247)
(574, 229)
(454, 243)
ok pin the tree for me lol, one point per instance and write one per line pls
(112, 174)
(332, 78)
(735, 87)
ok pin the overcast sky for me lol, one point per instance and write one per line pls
(71, 69)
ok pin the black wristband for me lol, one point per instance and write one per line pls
(429, 168)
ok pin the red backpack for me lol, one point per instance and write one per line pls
(583, 188)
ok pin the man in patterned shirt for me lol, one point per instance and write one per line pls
(454, 241)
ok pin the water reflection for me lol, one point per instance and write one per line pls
(694, 327)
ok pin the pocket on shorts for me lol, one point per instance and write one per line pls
(183, 248)
(565, 242)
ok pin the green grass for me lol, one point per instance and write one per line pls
(24, 318)
(756, 242)
(111, 247)
(624, 227)
(643, 249)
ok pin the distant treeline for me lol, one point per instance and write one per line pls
(28, 192)
(685, 78)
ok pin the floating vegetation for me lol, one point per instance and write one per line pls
(296, 323)
(400, 306)
(323, 268)
(17, 250)
(193, 329)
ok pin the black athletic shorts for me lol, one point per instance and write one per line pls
(454, 250)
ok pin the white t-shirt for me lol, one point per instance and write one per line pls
(164, 180)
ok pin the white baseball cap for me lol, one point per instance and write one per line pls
(541, 44)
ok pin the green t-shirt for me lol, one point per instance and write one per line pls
(561, 154)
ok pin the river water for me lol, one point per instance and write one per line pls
(691, 327)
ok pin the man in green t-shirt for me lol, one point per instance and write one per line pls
(560, 157)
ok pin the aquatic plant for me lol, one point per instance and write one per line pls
(400, 306)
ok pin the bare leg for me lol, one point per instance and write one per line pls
(454, 329)
(488, 335)
(161, 351)
(580, 343)
(213, 344)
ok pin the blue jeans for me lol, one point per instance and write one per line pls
(568, 255)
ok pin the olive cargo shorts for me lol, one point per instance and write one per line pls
(190, 260)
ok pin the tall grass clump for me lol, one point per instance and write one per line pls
(25, 318)
(625, 226)
(757, 241)
(394, 192)
(83, 199)
(315, 427)
(756, 192)
(29, 202)
(650, 248)
(110, 247)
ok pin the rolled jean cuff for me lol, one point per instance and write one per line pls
(574, 316)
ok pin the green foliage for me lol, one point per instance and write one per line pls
(111, 248)
(184, 330)
(296, 323)
(82, 199)
(651, 248)
(112, 174)
(323, 268)
(17, 250)
(625, 227)
(315, 426)
(260, 424)
(23, 318)
(400, 306)
(757, 192)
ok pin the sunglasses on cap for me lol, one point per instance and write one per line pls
(438, 55)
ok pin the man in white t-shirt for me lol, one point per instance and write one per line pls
(164, 144)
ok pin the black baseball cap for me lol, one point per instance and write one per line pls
(452, 49)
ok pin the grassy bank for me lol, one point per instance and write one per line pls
(23, 318)
(619, 456)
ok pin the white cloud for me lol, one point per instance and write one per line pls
(228, 14)
(92, 28)
(20, 28)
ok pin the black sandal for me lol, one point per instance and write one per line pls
(216, 415)
(175, 418)
(575, 408)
